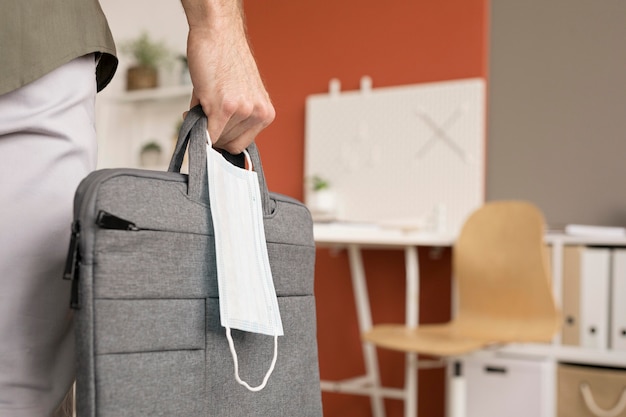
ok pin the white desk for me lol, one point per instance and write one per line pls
(354, 237)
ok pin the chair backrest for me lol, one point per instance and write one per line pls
(500, 264)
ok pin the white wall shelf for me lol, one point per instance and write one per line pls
(563, 239)
(127, 120)
(568, 354)
(152, 94)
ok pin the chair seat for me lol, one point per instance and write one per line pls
(460, 336)
(435, 340)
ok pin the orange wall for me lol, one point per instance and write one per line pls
(300, 45)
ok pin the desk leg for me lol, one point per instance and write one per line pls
(364, 316)
(411, 320)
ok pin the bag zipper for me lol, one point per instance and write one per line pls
(110, 221)
(72, 264)
(106, 220)
(85, 192)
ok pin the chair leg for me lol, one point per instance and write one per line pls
(410, 385)
(411, 265)
(457, 403)
(364, 316)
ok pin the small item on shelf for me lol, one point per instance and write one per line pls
(322, 200)
(148, 56)
(141, 77)
(150, 155)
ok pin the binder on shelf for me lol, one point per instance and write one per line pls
(617, 338)
(570, 288)
(594, 296)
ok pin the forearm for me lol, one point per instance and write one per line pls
(213, 14)
(226, 80)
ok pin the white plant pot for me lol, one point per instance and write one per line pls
(150, 158)
(323, 201)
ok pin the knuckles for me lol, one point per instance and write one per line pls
(266, 114)
(254, 113)
(261, 113)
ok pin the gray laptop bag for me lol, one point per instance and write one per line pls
(148, 334)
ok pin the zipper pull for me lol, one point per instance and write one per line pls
(109, 221)
(72, 254)
(71, 264)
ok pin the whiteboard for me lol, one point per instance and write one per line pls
(411, 154)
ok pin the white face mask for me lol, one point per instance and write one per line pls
(246, 289)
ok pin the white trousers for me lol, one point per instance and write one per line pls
(47, 145)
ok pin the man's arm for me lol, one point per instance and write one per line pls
(225, 77)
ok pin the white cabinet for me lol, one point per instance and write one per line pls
(510, 387)
(565, 351)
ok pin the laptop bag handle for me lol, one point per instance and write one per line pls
(192, 135)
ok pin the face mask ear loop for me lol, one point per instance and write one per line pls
(248, 160)
(231, 344)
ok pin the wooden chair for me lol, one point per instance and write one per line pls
(504, 290)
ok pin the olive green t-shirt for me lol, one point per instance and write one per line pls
(38, 36)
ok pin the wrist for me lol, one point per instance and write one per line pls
(213, 14)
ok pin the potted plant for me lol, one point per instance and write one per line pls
(150, 155)
(323, 199)
(147, 55)
(319, 184)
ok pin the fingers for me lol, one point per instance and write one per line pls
(237, 143)
(235, 128)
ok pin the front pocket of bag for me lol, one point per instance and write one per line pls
(155, 384)
(149, 357)
(128, 326)
(154, 264)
